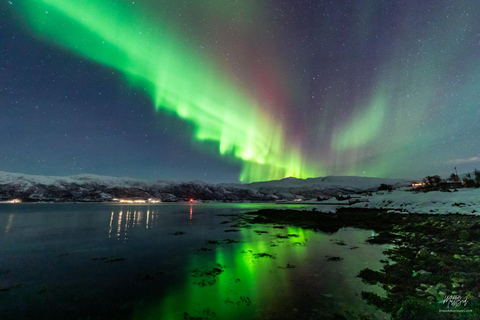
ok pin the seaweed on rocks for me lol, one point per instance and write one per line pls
(433, 262)
(330, 258)
(207, 277)
(263, 255)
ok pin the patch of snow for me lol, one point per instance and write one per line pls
(463, 201)
(327, 209)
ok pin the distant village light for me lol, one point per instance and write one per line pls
(418, 184)
(128, 201)
(151, 200)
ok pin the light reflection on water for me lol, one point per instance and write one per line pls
(9, 222)
(266, 272)
(122, 221)
(294, 282)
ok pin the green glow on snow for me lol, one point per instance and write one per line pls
(179, 80)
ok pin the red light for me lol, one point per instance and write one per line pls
(191, 200)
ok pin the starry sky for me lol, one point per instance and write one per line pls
(228, 91)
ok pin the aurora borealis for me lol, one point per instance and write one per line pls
(252, 90)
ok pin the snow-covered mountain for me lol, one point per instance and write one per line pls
(324, 187)
(89, 187)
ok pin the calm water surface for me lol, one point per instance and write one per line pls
(175, 261)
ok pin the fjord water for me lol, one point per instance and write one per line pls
(176, 261)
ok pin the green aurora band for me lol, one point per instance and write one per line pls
(177, 78)
(416, 100)
(411, 111)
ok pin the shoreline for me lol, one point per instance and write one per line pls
(432, 269)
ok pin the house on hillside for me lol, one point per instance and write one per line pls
(416, 184)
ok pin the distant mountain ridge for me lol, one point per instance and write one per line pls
(95, 188)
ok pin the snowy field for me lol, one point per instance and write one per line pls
(463, 201)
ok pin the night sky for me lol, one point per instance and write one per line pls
(227, 91)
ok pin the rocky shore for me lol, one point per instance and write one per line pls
(433, 267)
